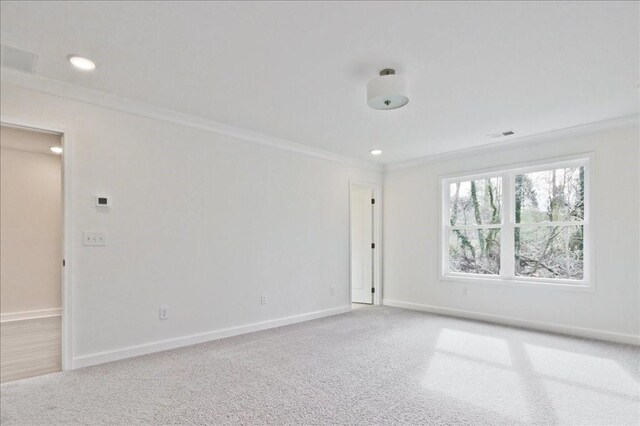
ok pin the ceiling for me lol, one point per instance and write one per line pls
(298, 70)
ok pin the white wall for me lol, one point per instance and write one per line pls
(201, 222)
(30, 222)
(411, 237)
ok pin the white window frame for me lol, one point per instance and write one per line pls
(507, 275)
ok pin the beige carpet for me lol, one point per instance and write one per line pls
(375, 365)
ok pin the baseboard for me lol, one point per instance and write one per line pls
(28, 315)
(554, 328)
(163, 345)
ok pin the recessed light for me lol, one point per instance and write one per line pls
(81, 63)
(56, 149)
(375, 152)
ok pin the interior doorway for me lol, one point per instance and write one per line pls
(31, 252)
(365, 242)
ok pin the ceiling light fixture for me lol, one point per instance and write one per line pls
(56, 149)
(375, 152)
(81, 63)
(388, 91)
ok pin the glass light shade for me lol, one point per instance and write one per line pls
(387, 92)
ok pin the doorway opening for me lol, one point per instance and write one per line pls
(364, 206)
(31, 252)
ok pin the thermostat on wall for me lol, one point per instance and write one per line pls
(103, 201)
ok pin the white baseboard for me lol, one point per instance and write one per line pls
(554, 328)
(163, 345)
(28, 315)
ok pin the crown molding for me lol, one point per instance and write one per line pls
(618, 122)
(105, 100)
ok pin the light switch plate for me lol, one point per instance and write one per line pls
(94, 239)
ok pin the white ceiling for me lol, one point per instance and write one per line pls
(298, 70)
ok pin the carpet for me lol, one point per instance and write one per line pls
(374, 365)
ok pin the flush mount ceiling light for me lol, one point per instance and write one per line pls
(375, 152)
(81, 63)
(56, 149)
(388, 91)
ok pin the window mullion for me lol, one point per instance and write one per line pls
(507, 239)
(444, 238)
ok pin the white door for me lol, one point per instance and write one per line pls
(361, 244)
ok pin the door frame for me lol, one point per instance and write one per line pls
(67, 237)
(377, 239)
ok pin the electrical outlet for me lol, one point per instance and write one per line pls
(164, 312)
(263, 300)
(332, 290)
(94, 239)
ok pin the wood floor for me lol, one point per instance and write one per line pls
(30, 348)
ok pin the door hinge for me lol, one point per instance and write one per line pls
(64, 262)
(373, 201)
(373, 245)
(373, 290)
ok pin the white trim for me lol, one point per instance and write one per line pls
(376, 188)
(506, 275)
(94, 97)
(29, 315)
(68, 336)
(525, 167)
(480, 279)
(67, 235)
(590, 333)
(377, 238)
(507, 233)
(473, 227)
(178, 342)
(549, 223)
(531, 140)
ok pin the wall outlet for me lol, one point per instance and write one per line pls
(94, 239)
(164, 312)
(263, 300)
(103, 201)
(332, 290)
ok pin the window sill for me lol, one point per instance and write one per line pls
(580, 287)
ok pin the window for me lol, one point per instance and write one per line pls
(526, 224)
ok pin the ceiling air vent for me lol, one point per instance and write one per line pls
(18, 59)
(501, 134)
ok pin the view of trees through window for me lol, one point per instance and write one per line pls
(475, 216)
(546, 238)
(549, 234)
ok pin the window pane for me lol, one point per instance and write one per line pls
(475, 251)
(475, 202)
(552, 195)
(550, 251)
